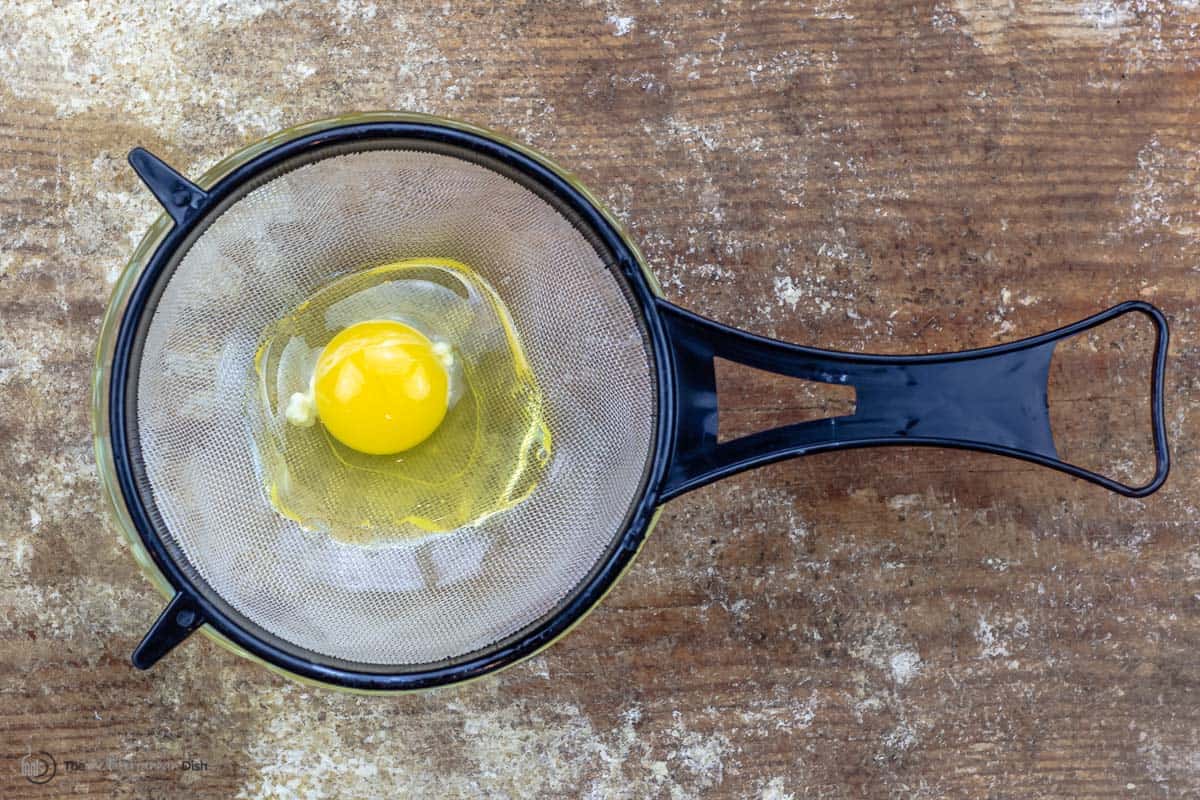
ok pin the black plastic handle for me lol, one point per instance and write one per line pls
(177, 621)
(993, 399)
(178, 196)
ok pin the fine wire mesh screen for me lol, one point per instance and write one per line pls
(406, 602)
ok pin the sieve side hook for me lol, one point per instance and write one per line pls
(993, 399)
(178, 621)
(178, 196)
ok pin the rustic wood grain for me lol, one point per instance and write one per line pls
(907, 177)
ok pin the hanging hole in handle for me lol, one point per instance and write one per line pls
(750, 400)
(1100, 399)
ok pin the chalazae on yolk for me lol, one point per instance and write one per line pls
(380, 387)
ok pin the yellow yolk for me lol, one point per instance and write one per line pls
(380, 387)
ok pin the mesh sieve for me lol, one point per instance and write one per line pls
(628, 392)
(404, 602)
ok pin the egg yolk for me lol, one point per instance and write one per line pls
(380, 387)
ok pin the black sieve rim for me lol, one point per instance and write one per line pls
(194, 210)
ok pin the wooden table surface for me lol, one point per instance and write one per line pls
(907, 177)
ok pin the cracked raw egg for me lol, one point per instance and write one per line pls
(395, 402)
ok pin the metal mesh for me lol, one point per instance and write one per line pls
(400, 603)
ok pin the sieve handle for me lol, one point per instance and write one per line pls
(178, 196)
(178, 620)
(993, 399)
